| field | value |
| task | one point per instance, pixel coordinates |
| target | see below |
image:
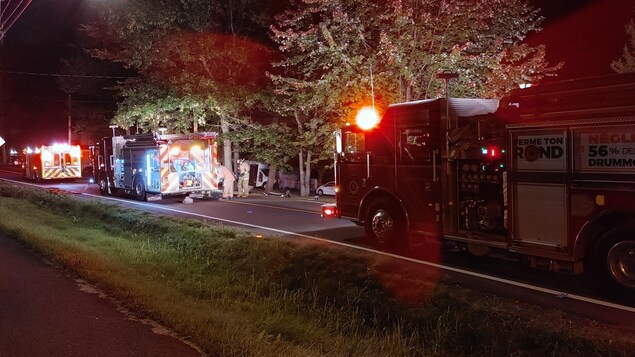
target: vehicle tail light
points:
(329, 211)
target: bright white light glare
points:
(367, 118)
(60, 147)
(175, 151)
(47, 155)
(76, 151)
(195, 149)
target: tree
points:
(268, 143)
(330, 45)
(626, 63)
(479, 40)
(317, 74)
(193, 57)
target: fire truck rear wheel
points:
(384, 223)
(103, 186)
(140, 190)
(612, 262)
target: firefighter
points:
(228, 181)
(243, 178)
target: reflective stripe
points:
(172, 184)
(165, 166)
(214, 160)
(208, 180)
(61, 172)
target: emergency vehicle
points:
(153, 166)
(58, 161)
(548, 176)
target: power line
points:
(16, 12)
(64, 75)
(58, 99)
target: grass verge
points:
(235, 295)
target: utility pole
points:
(69, 107)
(2, 117)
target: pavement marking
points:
(548, 291)
(276, 207)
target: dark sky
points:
(587, 35)
(33, 105)
(584, 34)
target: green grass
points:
(235, 295)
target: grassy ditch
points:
(235, 295)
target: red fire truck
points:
(58, 161)
(153, 166)
(549, 175)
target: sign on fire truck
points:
(58, 161)
(153, 166)
(549, 175)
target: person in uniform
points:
(243, 178)
(228, 181)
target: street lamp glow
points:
(367, 118)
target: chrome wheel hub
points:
(382, 225)
(621, 263)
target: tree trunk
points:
(235, 162)
(301, 167)
(227, 144)
(271, 178)
(307, 175)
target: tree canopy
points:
(207, 63)
(626, 63)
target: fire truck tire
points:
(103, 185)
(140, 189)
(612, 263)
(385, 224)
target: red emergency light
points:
(492, 152)
(329, 211)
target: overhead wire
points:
(64, 75)
(11, 19)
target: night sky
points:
(584, 34)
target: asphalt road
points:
(45, 311)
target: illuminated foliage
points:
(205, 62)
(199, 62)
(626, 63)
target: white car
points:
(326, 189)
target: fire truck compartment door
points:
(539, 164)
(540, 214)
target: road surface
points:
(45, 311)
